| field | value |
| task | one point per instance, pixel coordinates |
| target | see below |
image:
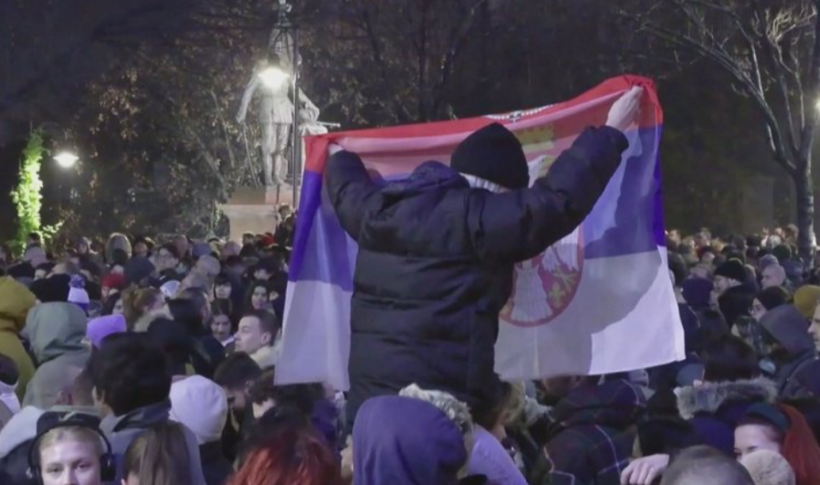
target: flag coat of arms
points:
(599, 301)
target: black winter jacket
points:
(435, 263)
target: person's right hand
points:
(626, 110)
(644, 471)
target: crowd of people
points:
(142, 363)
(156, 364)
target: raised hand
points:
(625, 111)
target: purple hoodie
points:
(405, 441)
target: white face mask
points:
(480, 183)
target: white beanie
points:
(77, 293)
(169, 289)
(768, 468)
(201, 405)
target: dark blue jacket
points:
(435, 262)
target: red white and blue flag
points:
(599, 301)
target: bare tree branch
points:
(724, 60)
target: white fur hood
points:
(710, 396)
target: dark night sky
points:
(9, 163)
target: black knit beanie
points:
(494, 154)
(732, 269)
(783, 253)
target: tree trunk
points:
(804, 199)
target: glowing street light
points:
(66, 159)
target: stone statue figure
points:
(275, 111)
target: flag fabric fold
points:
(599, 301)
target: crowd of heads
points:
(748, 388)
(141, 363)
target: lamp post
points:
(277, 75)
(66, 158)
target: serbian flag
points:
(599, 301)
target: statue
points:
(275, 111)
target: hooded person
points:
(791, 346)
(202, 406)
(56, 332)
(15, 302)
(101, 327)
(445, 288)
(9, 380)
(730, 385)
(407, 441)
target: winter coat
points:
(122, 430)
(593, 435)
(15, 302)
(789, 328)
(405, 441)
(56, 332)
(268, 355)
(215, 467)
(16, 439)
(714, 409)
(21, 270)
(435, 263)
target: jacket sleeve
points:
(519, 225)
(350, 190)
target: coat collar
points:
(710, 396)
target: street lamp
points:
(273, 76)
(66, 158)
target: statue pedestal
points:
(254, 209)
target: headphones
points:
(54, 420)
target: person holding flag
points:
(437, 250)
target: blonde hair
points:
(159, 456)
(75, 433)
(135, 301)
(514, 410)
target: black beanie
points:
(494, 154)
(52, 289)
(783, 253)
(774, 297)
(732, 269)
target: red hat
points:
(267, 240)
(114, 280)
